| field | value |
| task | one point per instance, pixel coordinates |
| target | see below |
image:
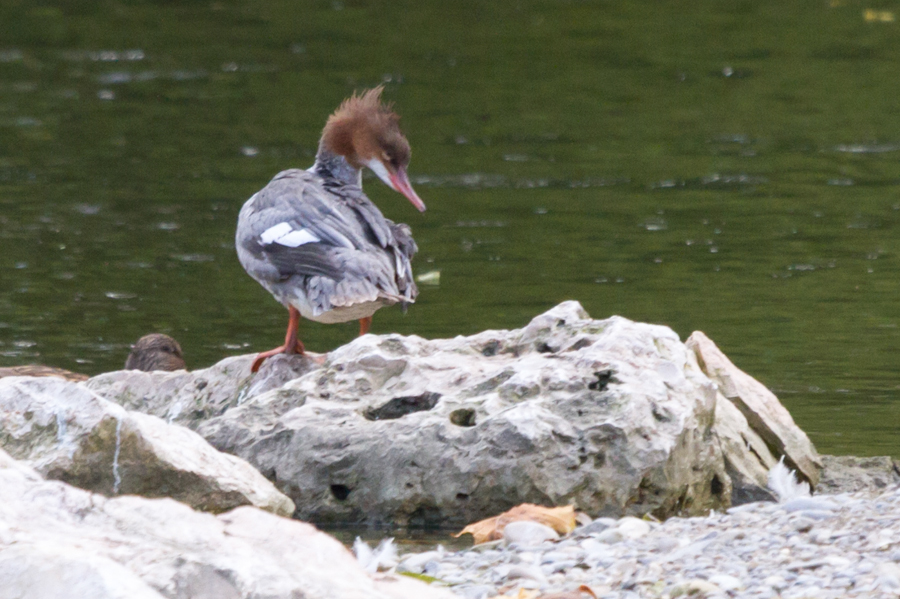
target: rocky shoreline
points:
(820, 547)
(178, 484)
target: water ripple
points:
(873, 148)
(493, 181)
(103, 55)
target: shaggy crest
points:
(367, 105)
(363, 128)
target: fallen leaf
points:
(560, 519)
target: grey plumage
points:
(341, 254)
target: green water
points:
(729, 167)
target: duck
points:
(317, 243)
(151, 352)
(155, 351)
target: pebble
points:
(817, 504)
(633, 528)
(528, 534)
(828, 547)
(416, 562)
(610, 536)
(599, 525)
(726, 582)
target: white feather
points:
(274, 232)
(297, 238)
(284, 234)
(363, 554)
(384, 557)
(783, 483)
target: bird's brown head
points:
(367, 133)
(155, 352)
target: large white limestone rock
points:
(765, 415)
(68, 433)
(59, 541)
(614, 416)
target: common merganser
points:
(155, 352)
(151, 352)
(316, 242)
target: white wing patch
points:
(273, 233)
(284, 234)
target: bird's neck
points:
(329, 165)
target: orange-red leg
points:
(364, 324)
(292, 344)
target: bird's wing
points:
(404, 248)
(295, 227)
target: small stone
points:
(610, 536)
(561, 566)
(822, 535)
(842, 582)
(694, 588)
(633, 528)
(665, 544)
(416, 562)
(726, 582)
(598, 525)
(803, 524)
(478, 591)
(776, 582)
(818, 515)
(528, 534)
(837, 562)
(864, 567)
(809, 503)
(526, 572)
(888, 576)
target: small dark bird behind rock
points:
(155, 352)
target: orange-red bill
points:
(401, 183)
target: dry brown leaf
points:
(529, 594)
(560, 519)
